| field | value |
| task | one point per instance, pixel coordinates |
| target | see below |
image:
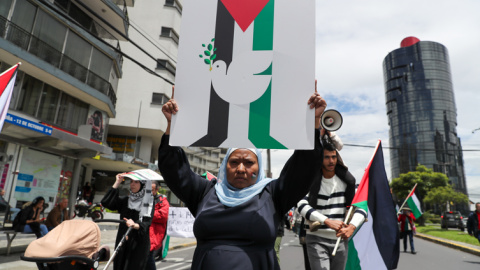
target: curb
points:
(13, 250)
(449, 244)
(182, 246)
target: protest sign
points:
(180, 222)
(245, 72)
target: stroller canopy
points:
(71, 237)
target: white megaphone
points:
(331, 120)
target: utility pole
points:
(269, 164)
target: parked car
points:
(452, 219)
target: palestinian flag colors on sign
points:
(245, 72)
(7, 82)
(414, 204)
(375, 244)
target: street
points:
(429, 256)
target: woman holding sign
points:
(136, 210)
(237, 214)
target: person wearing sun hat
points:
(136, 210)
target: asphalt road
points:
(429, 256)
(434, 256)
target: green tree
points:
(444, 195)
(426, 180)
(162, 191)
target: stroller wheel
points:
(97, 215)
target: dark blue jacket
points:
(472, 224)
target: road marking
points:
(171, 266)
(181, 249)
(174, 260)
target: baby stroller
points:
(72, 245)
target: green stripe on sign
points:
(259, 122)
(263, 28)
(259, 118)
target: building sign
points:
(39, 175)
(22, 122)
(121, 144)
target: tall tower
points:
(421, 111)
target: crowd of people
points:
(240, 216)
(145, 210)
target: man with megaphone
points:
(324, 207)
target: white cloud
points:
(353, 38)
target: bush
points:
(430, 217)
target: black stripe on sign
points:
(217, 131)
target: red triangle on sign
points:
(245, 11)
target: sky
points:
(353, 38)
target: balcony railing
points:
(47, 53)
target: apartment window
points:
(50, 30)
(169, 33)
(5, 7)
(24, 15)
(159, 98)
(81, 17)
(165, 64)
(48, 103)
(175, 4)
(30, 95)
(71, 113)
(101, 64)
(62, 3)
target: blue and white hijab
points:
(230, 196)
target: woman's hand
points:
(169, 109)
(131, 223)
(317, 102)
(118, 179)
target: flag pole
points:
(339, 238)
(400, 209)
(14, 66)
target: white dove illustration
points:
(239, 84)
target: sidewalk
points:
(109, 233)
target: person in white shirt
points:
(324, 207)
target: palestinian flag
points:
(240, 64)
(7, 82)
(414, 204)
(375, 244)
(209, 176)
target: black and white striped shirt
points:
(330, 204)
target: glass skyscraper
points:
(421, 111)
